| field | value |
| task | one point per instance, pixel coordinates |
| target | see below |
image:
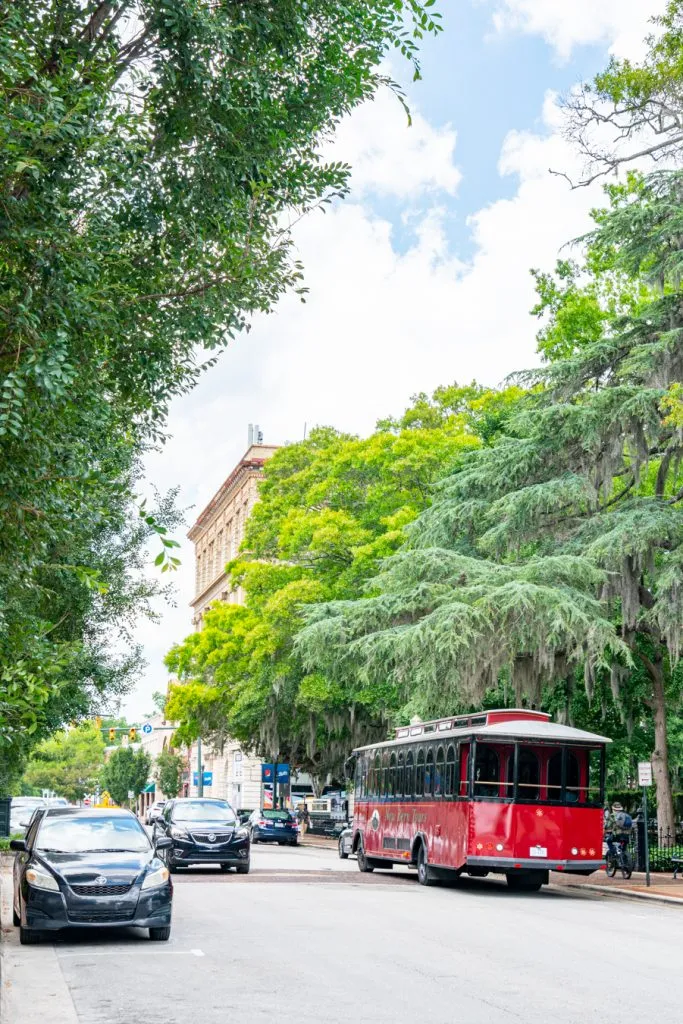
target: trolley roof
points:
(504, 725)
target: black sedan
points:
(83, 868)
(203, 831)
(274, 827)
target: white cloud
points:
(389, 158)
(380, 322)
(621, 24)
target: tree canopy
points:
(69, 763)
(153, 156)
(556, 551)
(330, 509)
(126, 771)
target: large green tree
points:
(152, 156)
(559, 549)
(69, 763)
(330, 509)
(126, 771)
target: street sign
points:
(207, 778)
(644, 773)
(147, 729)
(131, 794)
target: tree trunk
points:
(660, 755)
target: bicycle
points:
(618, 857)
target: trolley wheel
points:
(425, 874)
(365, 864)
(530, 882)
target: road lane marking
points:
(131, 952)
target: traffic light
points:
(132, 734)
(112, 735)
(98, 722)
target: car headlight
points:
(242, 833)
(41, 879)
(156, 878)
(178, 833)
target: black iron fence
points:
(664, 846)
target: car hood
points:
(85, 868)
(205, 826)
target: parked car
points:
(345, 842)
(153, 811)
(89, 868)
(21, 811)
(268, 826)
(203, 831)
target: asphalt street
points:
(306, 938)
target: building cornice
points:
(244, 468)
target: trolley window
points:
(400, 777)
(429, 772)
(392, 776)
(410, 774)
(528, 774)
(486, 771)
(420, 774)
(439, 772)
(450, 772)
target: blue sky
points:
(421, 276)
(484, 84)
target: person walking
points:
(304, 818)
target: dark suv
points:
(203, 831)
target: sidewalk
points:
(662, 886)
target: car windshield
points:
(276, 815)
(204, 810)
(82, 834)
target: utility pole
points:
(200, 770)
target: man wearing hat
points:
(618, 825)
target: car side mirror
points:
(163, 843)
(18, 845)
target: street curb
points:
(605, 890)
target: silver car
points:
(21, 811)
(345, 842)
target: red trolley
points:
(504, 791)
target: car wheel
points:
(160, 934)
(16, 920)
(243, 869)
(342, 852)
(28, 937)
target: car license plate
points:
(538, 851)
(278, 824)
